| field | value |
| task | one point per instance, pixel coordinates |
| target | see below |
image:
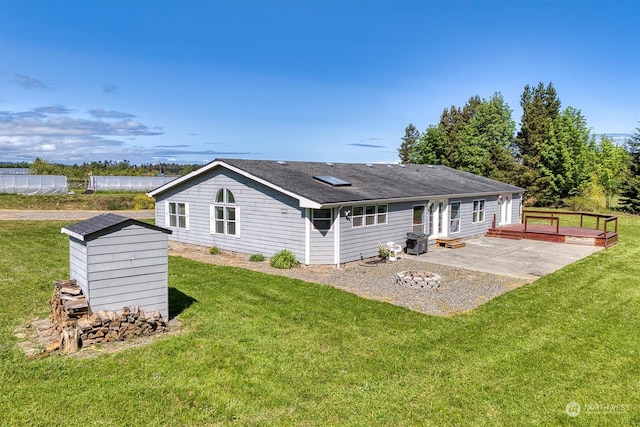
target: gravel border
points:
(460, 289)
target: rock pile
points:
(72, 319)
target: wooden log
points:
(70, 342)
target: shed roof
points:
(366, 181)
(102, 224)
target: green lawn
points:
(259, 349)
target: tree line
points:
(103, 168)
(554, 155)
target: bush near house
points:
(285, 259)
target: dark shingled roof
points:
(100, 225)
(370, 181)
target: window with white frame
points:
(177, 215)
(322, 219)
(454, 217)
(478, 210)
(369, 215)
(224, 214)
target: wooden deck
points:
(546, 226)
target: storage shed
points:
(119, 261)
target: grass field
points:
(259, 349)
(96, 201)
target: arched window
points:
(224, 214)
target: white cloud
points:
(53, 134)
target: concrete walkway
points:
(524, 259)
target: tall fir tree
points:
(408, 146)
(630, 195)
(540, 108)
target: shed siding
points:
(78, 263)
(269, 221)
(128, 267)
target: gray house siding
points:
(516, 213)
(364, 241)
(322, 243)
(467, 226)
(268, 221)
(123, 268)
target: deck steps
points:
(450, 243)
(505, 233)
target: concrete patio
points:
(524, 259)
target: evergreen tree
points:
(540, 108)
(630, 199)
(409, 141)
(566, 159)
(432, 147)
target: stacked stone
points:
(416, 279)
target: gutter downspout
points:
(336, 238)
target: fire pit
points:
(418, 279)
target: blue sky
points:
(190, 81)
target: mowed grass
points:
(262, 350)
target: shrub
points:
(383, 251)
(256, 258)
(285, 259)
(142, 201)
(214, 250)
(592, 199)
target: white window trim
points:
(479, 211)
(224, 206)
(330, 218)
(167, 220)
(374, 215)
(425, 214)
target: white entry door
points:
(504, 200)
(437, 218)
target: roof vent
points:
(332, 180)
(281, 162)
(402, 166)
(329, 164)
(369, 165)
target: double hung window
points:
(177, 215)
(478, 211)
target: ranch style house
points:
(328, 213)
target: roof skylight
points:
(332, 180)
